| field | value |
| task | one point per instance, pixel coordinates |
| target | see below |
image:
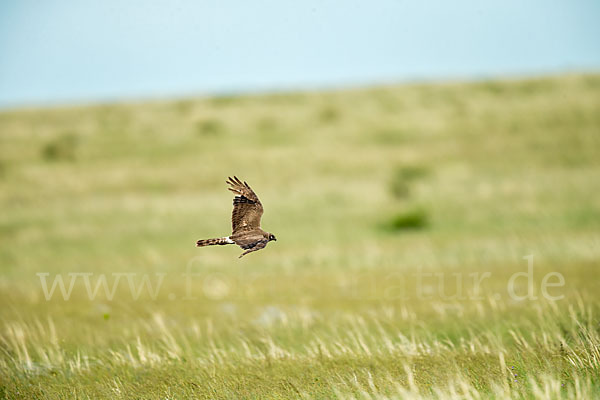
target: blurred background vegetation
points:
(361, 187)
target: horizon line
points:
(260, 90)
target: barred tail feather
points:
(215, 241)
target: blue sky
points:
(66, 51)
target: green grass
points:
(489, 172)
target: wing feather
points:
(247, 208)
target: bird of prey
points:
(245, 221)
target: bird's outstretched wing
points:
(247, 208)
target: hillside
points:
(389, 204)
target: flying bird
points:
(245, 221)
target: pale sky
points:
(65, 51)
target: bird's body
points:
(245, 221)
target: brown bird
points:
(245, 221)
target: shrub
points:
(389, 136)
(209, 127)
(329, 114)
(183, 106)
(416, 218)
(62, 148)
(403, 178)
(267, 124)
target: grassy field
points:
(402, 214)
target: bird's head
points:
(272, 237)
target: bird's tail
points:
(215, 241)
